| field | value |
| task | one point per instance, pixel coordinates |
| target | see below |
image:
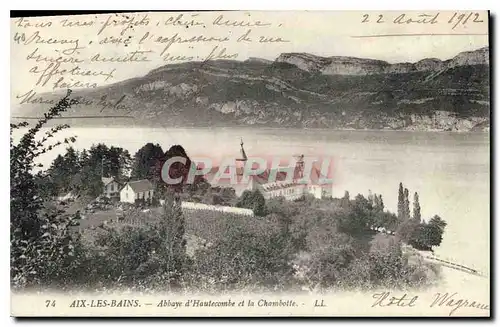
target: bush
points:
(244, 261)
(328, 264)
(42, 247)
(253, 200)
(358, 217)
(148, 257)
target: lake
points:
(450, 171)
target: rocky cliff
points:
(300, 90)
(360, 66)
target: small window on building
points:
(112, 188)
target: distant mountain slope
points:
(360, 66)
(303, 90)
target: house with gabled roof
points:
(111, 188)
(137, 190)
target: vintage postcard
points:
(298, 163)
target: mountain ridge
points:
(301, 90)
(324, 65)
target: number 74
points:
(50, 303)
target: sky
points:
(326, 33)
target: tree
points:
(228, 195)
(117, 162)
(406, 205)
(41, 244)
(71, 160)
(386, 263)
(62, 170)
(259, 207)
(253, 200)
(438, 222)
(97, 159)
(378, 203)
(145, 160)
(81, 172)
(371, 198)
(84, 157)
(416, 208)
(401, 200)
(434, 234)
(406, 230)
(358, 217)
(345, 201)
(330, 260)
(381, 202)
(107, 161)
(426, 236)
(245, 200)
(58, 176)
(176, 171)
(174, 228)
(386, 220)
(46, 185)
(216, 200)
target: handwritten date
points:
(454, 20)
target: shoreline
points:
(252, 127)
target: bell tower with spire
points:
(242, 152)
(241, 162)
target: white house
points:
(135, 190)
(111, 187)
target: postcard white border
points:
(197, 5)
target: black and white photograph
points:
(250, 163)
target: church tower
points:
(243, 156)
(241, 162)
(242, 153)
(299, 168)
